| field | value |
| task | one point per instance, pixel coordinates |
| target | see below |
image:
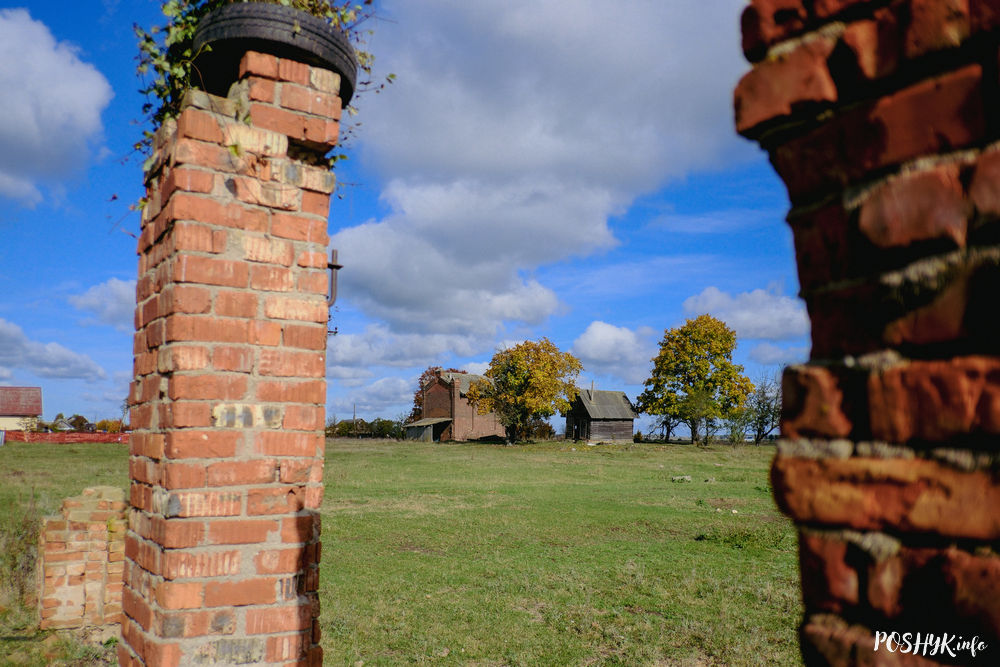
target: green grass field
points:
(528, 555)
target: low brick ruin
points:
(229, 393)
(882, 119)
(81, 560)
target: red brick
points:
(290, 308)
(201, 444)
(314, 282)
(197, 124)
(290, 363)
(309, 391)
(279, 619)
(202, 154)
(289, 123)
(984, 189)
(828, 583)
(210, 210)
(186, 299)
(272, 195)
(322, 132)
(936, 401)
(935, 25)
(237, 473)
(187, 180)
(183, 476)
(290, 647)
(828, 246)
(278, 561)
(240, 593)
(204, 503)
(305, 336)
(779, 86)
(293, 71)
(265, 333)
(827, 8)
(235, 304)
(176, 595)
(146, 444)
(312, 260)
(275, 500)
(301, 471)
(766, 22)
(303, 418)
(300, 228)
(939, 114)
(243, 531)
(261, 90)
(210, 271)
(272, 279)
(281, 443)
(182, 414)
(184, 358)
(266, 250)
(316, 203)
(195, 565)
(917, 206)
(259, 64)
(896, 495)
(198, 237)
(201, 387)
(227, 358)
(813, 403)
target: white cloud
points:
(385, 396)
(51, 109)
(768, 354)
(352, 355)
(50, 360)
(606, 349)
(715, 222)
(6, 373)
(514, 131)
(112, 303)
(757, 314)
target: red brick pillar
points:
(883, 119)
(229, 391)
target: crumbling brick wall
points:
(229, 392)
(81, 560)
(882, 119)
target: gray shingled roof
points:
(428, 421)
(601, 404)
(465, 380)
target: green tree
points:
(530, 380)
(764, 406)
(693, 377)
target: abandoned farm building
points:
(447, 414)
(600, 416)
(18, 406)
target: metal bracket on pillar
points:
(331, 298)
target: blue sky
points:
(540, 168)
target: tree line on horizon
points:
(693, 381)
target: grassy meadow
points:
(545, 554)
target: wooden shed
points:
(600, 416)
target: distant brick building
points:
(600, 416)
(447, 414)
(18, 404)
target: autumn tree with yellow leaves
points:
(694, 379)
(529, 381)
